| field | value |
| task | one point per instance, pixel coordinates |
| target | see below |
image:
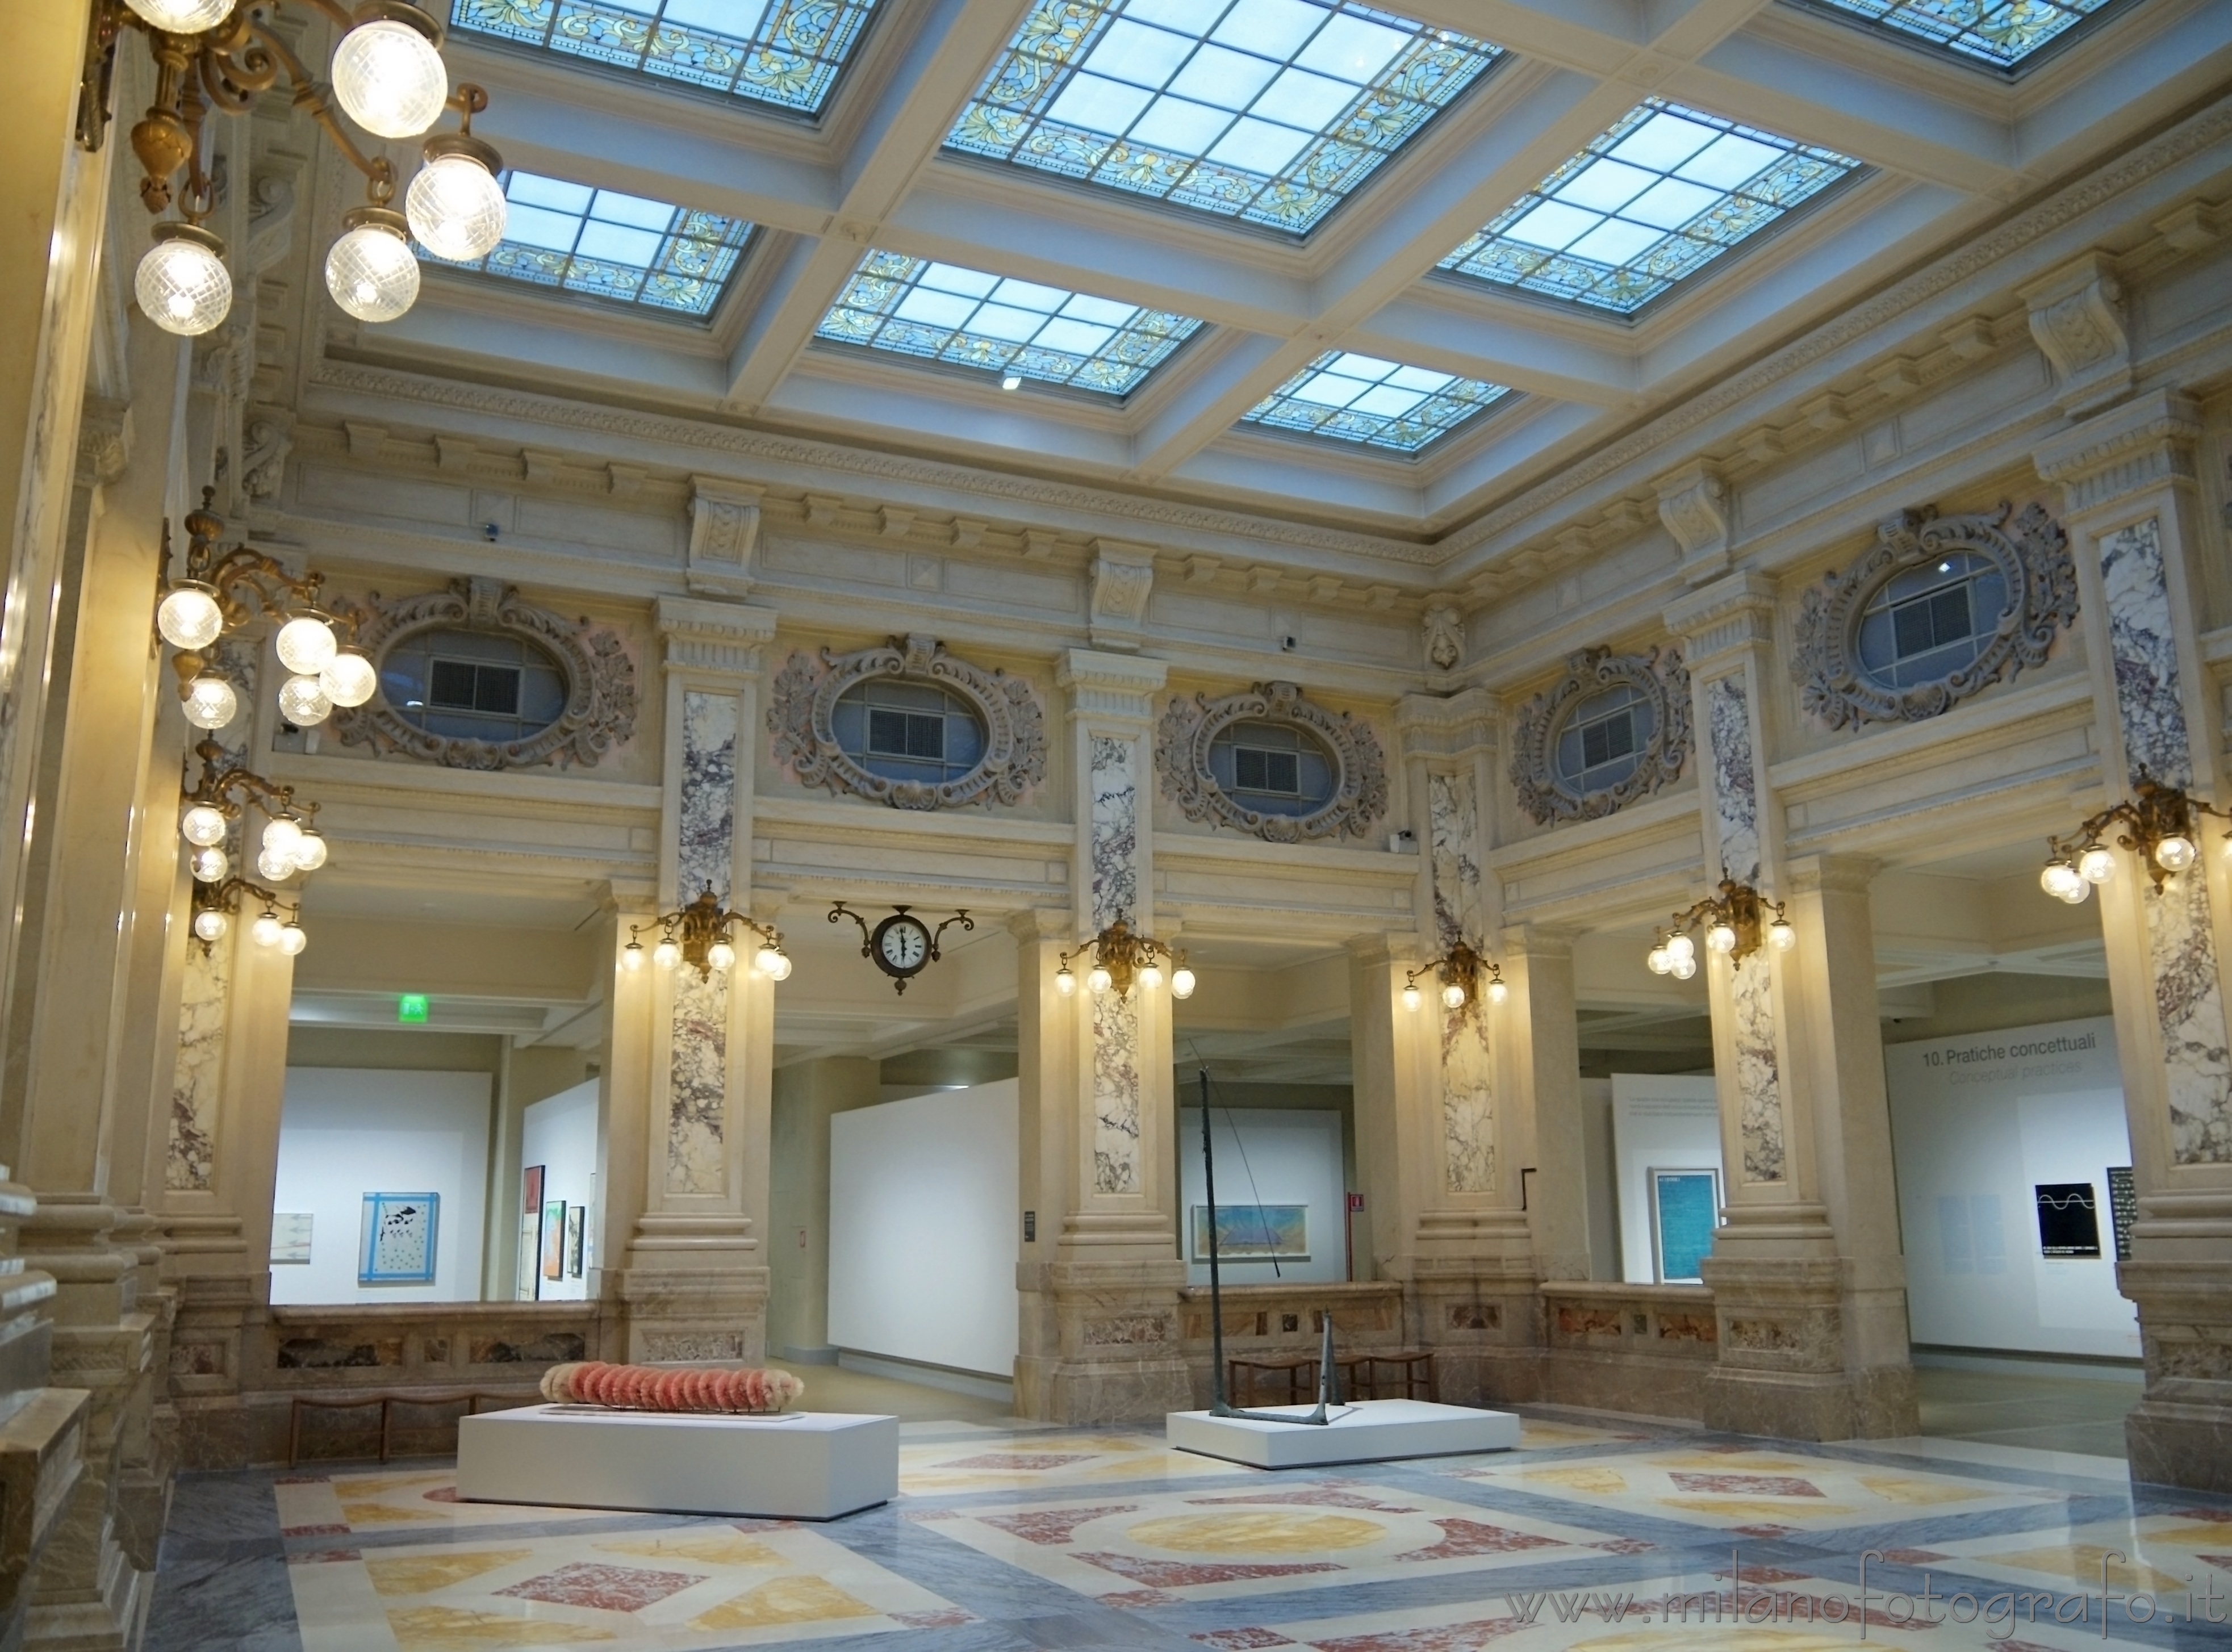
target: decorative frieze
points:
(1189, 735)
(1547, 794)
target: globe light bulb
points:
(1659, 960)
(455, 205)
(666, 954)
(265, 931)
(1065, 982)
(631, 956)
(1781, 935)
(1098, 981)
(210, 703)
(1453, 996)
(274, 866)
(190, 617)
(1497, 992)
(1682, 950)
(1721, 938)
(209, 925)
(182, 284)
(182, 17)
(1683, 968)
(310, 853)
(2078, 892)
(282, 836)
(349, 679)
(389, 78)
(780, 970)
(2174, 854)
(1412, 998)
(766, 961)
(722, 956)
(2056, 876)
(303, 702)
(1151, 977)
(210, 865)
(2096, 864)
(202, 824)
(307, 644)
(370, 271)
(292, 940)
(1182, 983)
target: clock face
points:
(902, 945)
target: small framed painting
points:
(1254, 1232)
(290, 1236)
(554, 1239)
(397, 1242)
(1685, 1208)
(577, 1228)
(530, 1196)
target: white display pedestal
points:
(1365, 1431)
(797, 1466)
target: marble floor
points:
(1596, 1536)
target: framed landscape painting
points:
(1254, 1232)
(397, 1245)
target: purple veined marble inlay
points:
(698, 1061)
(1468, 1068)
(709, 792)
(2181, 946)
(1115, 854)
(1735, 781)
(1751, 991)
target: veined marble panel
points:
(1751, 992)
(1736, 777)
(709, 792)
(1115, 831)
(2181, 948)
(1468, 1070)
(698, 1061)
(1115, 851)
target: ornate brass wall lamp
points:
(1736, 922)
(703, 934)
(389, 79)
(290, 843)
(2162, 826)
(215, 903)
(1121, 959)
(1462, 970)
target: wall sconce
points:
(2161, 826)
(702, 934)
(1734, 925)
(214, 904)
(903, 946)
(222, 594)
(1120, 958)
(290, 843)
(1460, 968)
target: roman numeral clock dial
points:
(901, 945)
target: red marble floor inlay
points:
(1441, 1637)
(605, 1588)
(1187, 1574)
(1137, 1600)
(1053, 1526)
(1748, 1485)
(313, 1531)
(320, 1557)
(1475, 1537)
(1912, 1557)
(1320, 1496)
(947, 1618)
(1241, 1640)
(442, 1494)
(1624, 1545)
(1015, 1461)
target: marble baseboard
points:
(2180, 1443)
(1801, 1405)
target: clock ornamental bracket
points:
(901, 945)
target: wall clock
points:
(902, 945)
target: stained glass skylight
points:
(1381, 403)
(2001, 33)
(784, 52)
(1664, 193)
(1270, 111)
(613, 246)
(969, 319)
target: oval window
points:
(903, 730)
(1272, 769)
(473, 685)
(1604, 738)
(1925, 625)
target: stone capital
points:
(104, 440)
(1846, 874)
(714, 639)
(1722, 619)
(724, 536)
(2077, 320)
(2145, 443)
(1693, 504)
(1438, 725)
(1123, 578)
(1111, 685)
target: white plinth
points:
(800, 1466)
(1365, 1431)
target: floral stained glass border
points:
(788, 53)
(1650, 202)
(1349, 398)
(967, 318)
(2000, 33)
(1213, 43)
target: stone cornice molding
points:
(1720, 621)
(2145, 443)
(1836, 874)
(1106, 686)
(724, 536)
(713, 638)
(1445, 725)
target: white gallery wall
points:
(1658, 1123)
(559, 1134)
(923, 1236)
(1978, 1124)
(347, 1131)
(1274, 1157)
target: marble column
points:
(2136, 530)
(1461, 1240)
(694, 1274)
(1787, 1273)
(1541, 1072)
(1101, 1336)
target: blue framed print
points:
(396, 1247)
(1685, 1208)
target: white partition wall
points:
(558, 1133)
(923, 1240)
(1279, 1181)
(1663, 1127)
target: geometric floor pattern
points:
(1007, 1537)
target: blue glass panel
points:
(1999, 33)
(1352, 398)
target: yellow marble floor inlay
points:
(715, 1548)
(1609, 1481)
(2082, 1563)
(785, 1600)
(441, 1628)
(422, 1574)
(1255, 1532)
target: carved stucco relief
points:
(1659, 675)
(1190, 728)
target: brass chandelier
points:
(703, 934)
(388, 78)
(1735, 924)
(1460, 968)
(2161, 825)
(1123, 958)
(221, 594)
(290, 843)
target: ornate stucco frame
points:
(1190, 727)
(2032, 555)
(600, 682)
(801, 715)
(1661, 677)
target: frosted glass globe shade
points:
(1412, 998)
(307, 644)
(2096, 864)
(1151, 977)
(210, 703)
(292, 940)
(203, 824)
(282, 837)
(780, 970)
(1683, 968)
(210, 865)
(212, 924)
(190, 617)
(1658, 961)
(766, 961)
(722, 956)
(1721, 938)
(1781, 935)
(304, 703)
(390, 79)
(2174, 854)
(182, 17)
(274, 866)
(666, 954)
(631, 956)
(457, 208)
(1182, 983)
(1453, 996)
(1497, 992)
(372, 273)
(2080, 891)
(265, 931)
(182, 285)
(1065, 981)
(1680, 949)
(1098, 980)
(310, 853)
(349, 680)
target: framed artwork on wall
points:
(397, 1242)
(527, 1285)
(577, 1227)
(2123, 1208)
(1685, 1208)
(554, 1239)
(290, 1236)
(2068, 1220)
(1254, 1232)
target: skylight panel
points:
(788, 53)
(969, 319)
(1664, 193)
(1997, 33)
(1268, 111)
(1349, 398)
(620, 247)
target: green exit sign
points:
(411, 1006)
